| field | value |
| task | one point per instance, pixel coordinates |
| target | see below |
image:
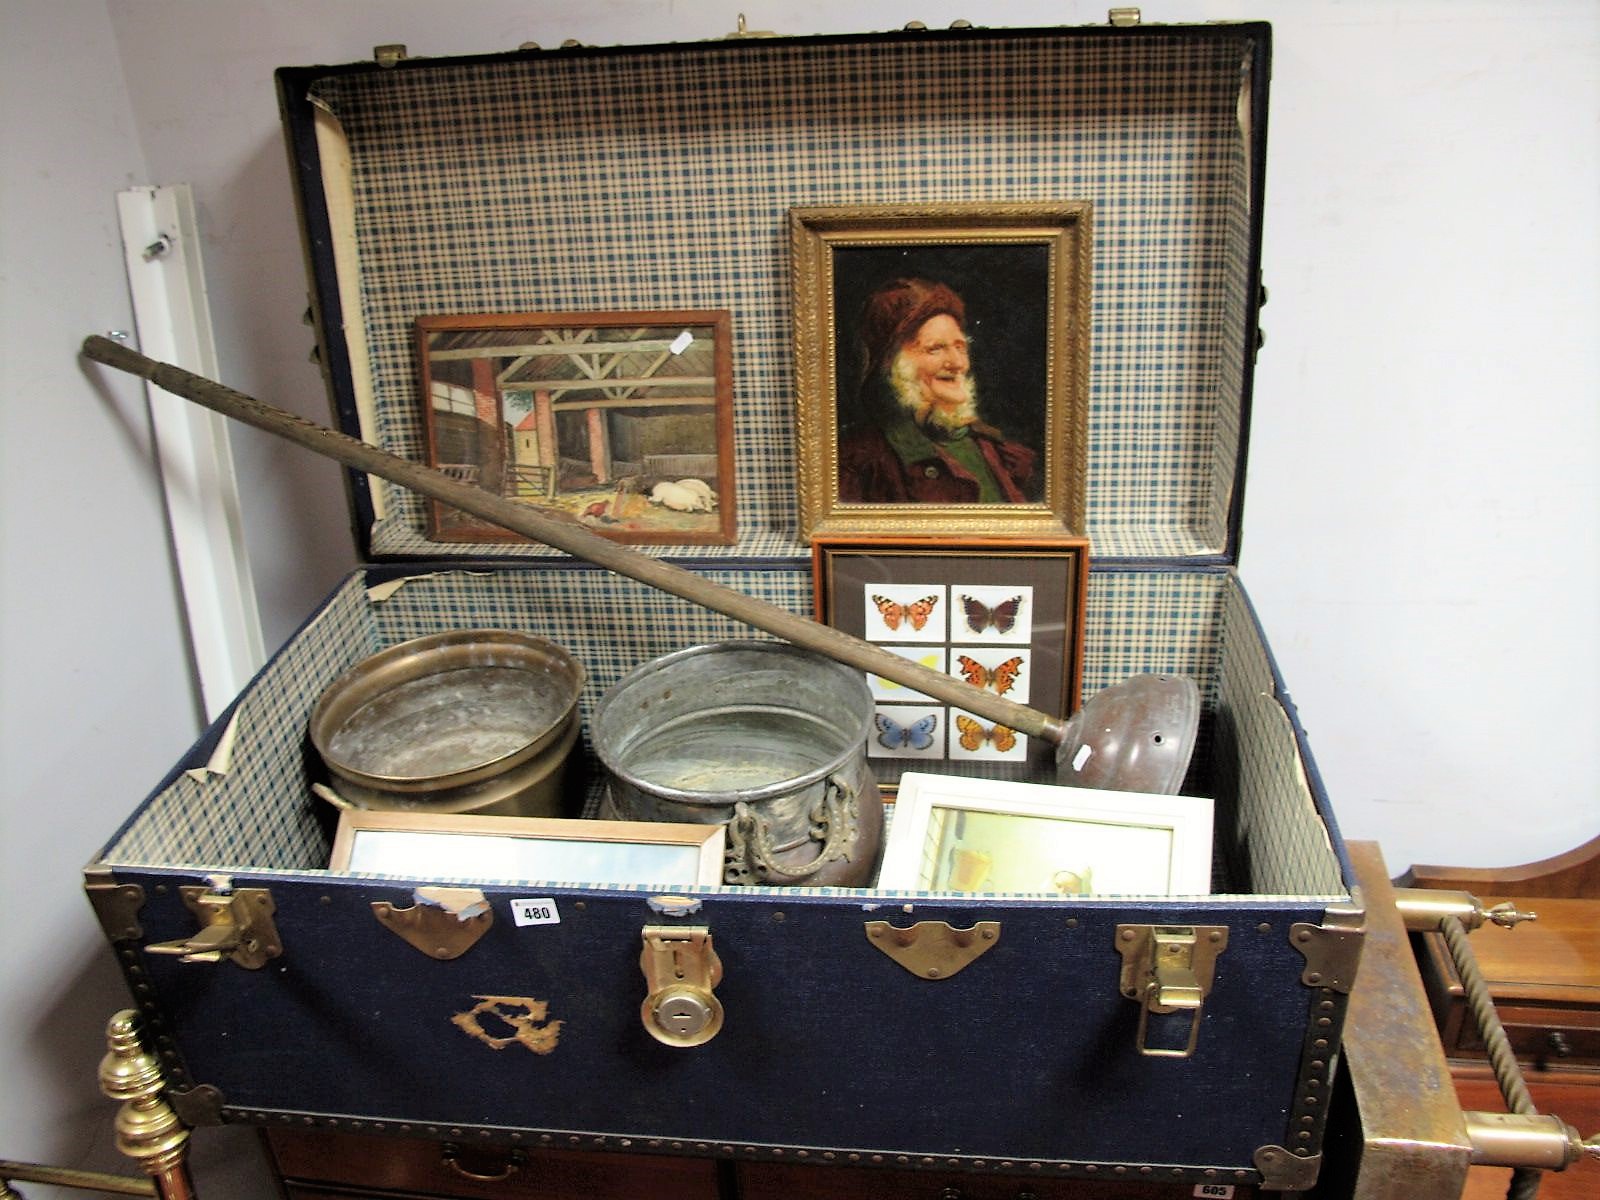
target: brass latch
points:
(236, 925)
(1168, 969)
(680, 969)
(933, 949)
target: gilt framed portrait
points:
(621, 422)
(942, 367)
(1005, 615)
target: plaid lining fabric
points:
(1269, 832)
(659, 180)
(261, 816)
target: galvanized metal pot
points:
(764, 737)
(470, 720)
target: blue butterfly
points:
(918, 735)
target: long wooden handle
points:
(575, 540)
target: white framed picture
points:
(956, 834)
(424, 845)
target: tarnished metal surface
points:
(1414, 1142)
(767, 738)
(467, 720)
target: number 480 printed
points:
(535, 912)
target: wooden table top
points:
(1555, 959)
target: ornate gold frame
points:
(1062, 228)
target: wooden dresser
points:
(1544, 979)
(327, 1165)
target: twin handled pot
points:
(765, 737)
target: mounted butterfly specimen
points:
(980, 616)
(915, 614)
(918, 735)
(974, 735)
(1000, 678)
(933, 660)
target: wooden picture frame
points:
(425, 845)
(952, 834)
(942, 367)
(1005, 614)
(621, 422)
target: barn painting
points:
(621, 422)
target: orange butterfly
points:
(974, 735)
(917, 613)
(980, 616)
(1003, 677)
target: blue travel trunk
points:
(660, 178)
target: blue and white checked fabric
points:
(652, 180)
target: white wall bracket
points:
(161, 244)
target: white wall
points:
(1420, 532)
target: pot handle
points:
(833, 823)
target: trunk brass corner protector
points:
(1286, 1172)
(680, 970)
(199, 1105)
(1167, 969)
(116, 904)
(444, 923)
(1331, 953)
(933, 949)
(235, 925)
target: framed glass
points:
(952, 834)
(942, 367)
(423, 845)
(1004, 614)
(621, 422)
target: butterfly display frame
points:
(1005, 614)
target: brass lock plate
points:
(680, 968)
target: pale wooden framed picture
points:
(953, 834)
(942, 367)
(1006, 615)
(621, 422)
(423, 845)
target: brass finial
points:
(148, 1130)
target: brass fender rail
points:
(1522, 1138)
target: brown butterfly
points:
(980, 616)
(974, 735)
(1002, 677)
(917, 614)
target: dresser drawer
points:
(1543, 977)
(314, 1164)
(783, 1181)
(1551, 1035)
